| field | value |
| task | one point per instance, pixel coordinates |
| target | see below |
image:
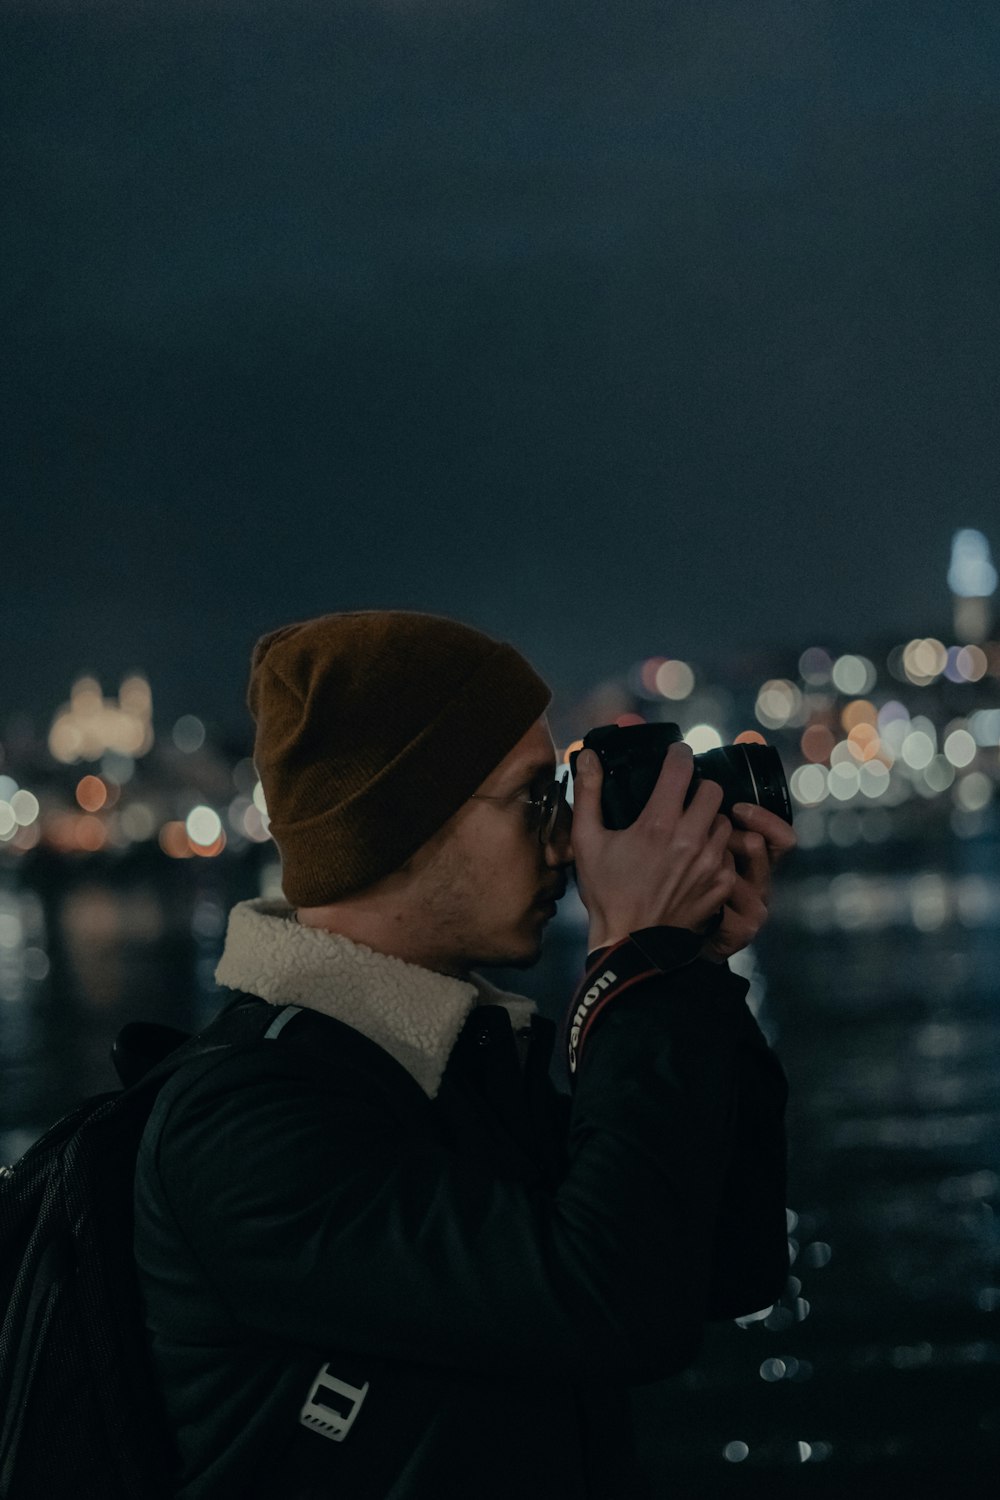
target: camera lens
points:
(748, 773)
(632, 757)
(764, 764)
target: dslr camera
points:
(632, 755)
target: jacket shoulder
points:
(324, 1058)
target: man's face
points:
(485, 886)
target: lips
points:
(549, 898)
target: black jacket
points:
(494, 1264)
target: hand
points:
(670, 868)
(758, 843)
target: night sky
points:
(615, 329)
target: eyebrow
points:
(532, 773)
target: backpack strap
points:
(286, 1013)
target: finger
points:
(718, 870)
(744, 844)
(777, 834)
(731, 937)
(710, 856)
(751, 854)
(587, 792)
(723, 889)
(666, 801)
(743, 917)
(707, 800)
(746, 901)
(709, 882)
(720, 836)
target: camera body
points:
(632, 756)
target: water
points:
(879, 1370)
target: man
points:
(380, 1255)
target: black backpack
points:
(78, 1404)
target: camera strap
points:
(613, 970)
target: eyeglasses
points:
(543, 812)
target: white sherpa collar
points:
(414, 1014)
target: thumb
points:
(587, 782)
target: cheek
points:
(497, 871)
(518, 878)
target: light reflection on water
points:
(927, 901)
(881, 991)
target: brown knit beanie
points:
(373, 728)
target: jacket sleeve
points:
(749, 1265)
(750, 1252)
(325, 1217)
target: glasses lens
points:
(551, 808)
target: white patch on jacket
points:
(412, 1013)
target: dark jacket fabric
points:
(494, 1265)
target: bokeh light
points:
(256, 825)
(91, 834)
(817, 743)
(971, 663)
(815, 666)
(188, 734)
(854, 674)
(924, 660)
(138, 822)
(91, 793)
(808, 785)
(674, 680)
(174, 840)
(893, 722)
(844, 781)
(209, 851)
(25, 808)
(985, 727)
(778, 703)
(874, 779)
(703, 737)
(858, 711)
(940, 774)
(204, 826)
(929, 903)
(90, 725)
(810, 828)
(917, 749)
(974, 791)
(960, 748)
(971, 574)
(863, 742)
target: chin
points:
(523, 954)
(526, 954)
(523, 960)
